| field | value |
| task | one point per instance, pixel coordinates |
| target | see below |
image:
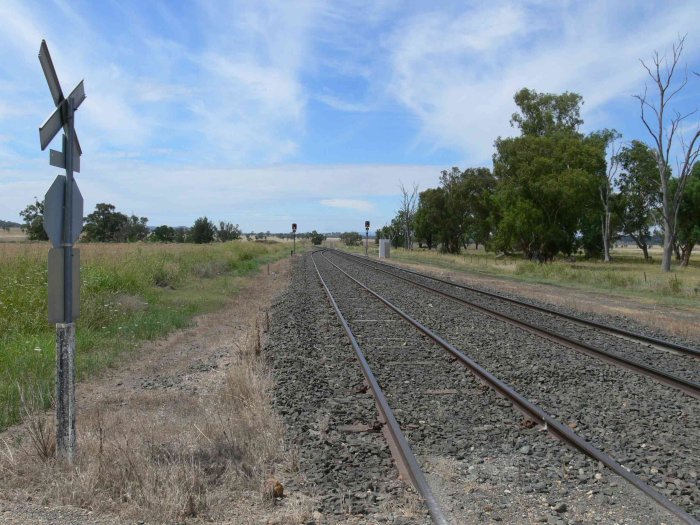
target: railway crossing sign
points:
(63, 222)
(53, 212)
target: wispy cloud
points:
(459, 71)
(343, 105)
(260, 112)
(349, 204)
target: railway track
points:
(361, 326)
(621, 332)
(651, 362)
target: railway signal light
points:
(366, 238)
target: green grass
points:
(129, 294)
(628, 274)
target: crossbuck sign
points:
(63, 222)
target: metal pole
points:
(294, 240)
(65, 332)
(366, 241)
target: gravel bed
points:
(682, 365)
(332, 427)
(618, 321)
(487, 465)
(652, 429)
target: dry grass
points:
(174, 455)
(184, 433)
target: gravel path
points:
(682, 365)
(650, 428)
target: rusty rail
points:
(601, 326)
(398, 444)
(689, 387)
(552, 425)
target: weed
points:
(40, 427)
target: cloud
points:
(458, 72)
(349, 204)
(257, 198)
(234, 94)
(342, 105)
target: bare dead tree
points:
(409, 203)
(606, 190)
(664, 130)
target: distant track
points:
(601, 326)
(690, 387)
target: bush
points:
(351, 238)
(203, 231)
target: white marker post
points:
(63, 222)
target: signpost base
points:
(65, 391)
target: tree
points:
(351, 238)
(409, 202)
(106, 225)
(639, 193)
(663, 131)
(228, 231)
(688, 227)
(393, 231)
(163, 234)
(33, 217)
(203, 231)
(429, 216)
(543, 114)
(136, 229)
(317, 238)
(547, 177)
(610, 138)
(466, 208)
(182, 234)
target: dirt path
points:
(164, 406)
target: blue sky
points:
(314, 112)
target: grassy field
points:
(628, 273)
(129, 293)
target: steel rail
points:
(689, 387)
(400, 445)
(601, 326)
(552, 425)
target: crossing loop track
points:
(662, 343)
(691, 388)
(534, 412)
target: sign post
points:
(366, 237)
(294, 237)
(63, 222)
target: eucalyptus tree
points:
(547, 178)
(665, 124)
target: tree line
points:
(554, 190)
(106, 224)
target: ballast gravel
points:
(682, 365)
(489, 461)
(344, 461)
